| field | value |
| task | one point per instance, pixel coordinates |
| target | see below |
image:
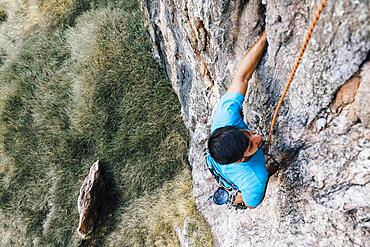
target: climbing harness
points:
(320, 8)
(227, 191)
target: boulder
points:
(90, 200)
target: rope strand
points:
(296, 64)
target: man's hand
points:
(247, 66)
(239, 199)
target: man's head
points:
(230, 144)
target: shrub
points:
(36, 126)
(58, 13)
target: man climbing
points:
(233, 147)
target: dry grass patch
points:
(158, 219)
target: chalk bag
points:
(221, 196)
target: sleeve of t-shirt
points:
(254, 193)
(252, 199)
(228, 111)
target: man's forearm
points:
(250, 61)
(248, 65)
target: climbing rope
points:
(296, 64)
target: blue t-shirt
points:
(250, 177)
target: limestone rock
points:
(361, 106)
(90, 200)
(346, 94)
(182, 234)
(321, 196)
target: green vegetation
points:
(156, 224)
(73, 95)
(57, 13)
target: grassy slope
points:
(74, 95)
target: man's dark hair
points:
(227, 144)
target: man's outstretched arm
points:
(247, 66)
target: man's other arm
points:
(239, 199)
(247, 66)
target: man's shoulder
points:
(230, 98)
(233, 95)
(255, 174)
(228, 111)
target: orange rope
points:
(296, 64)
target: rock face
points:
(90, 200)
(321, 197)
